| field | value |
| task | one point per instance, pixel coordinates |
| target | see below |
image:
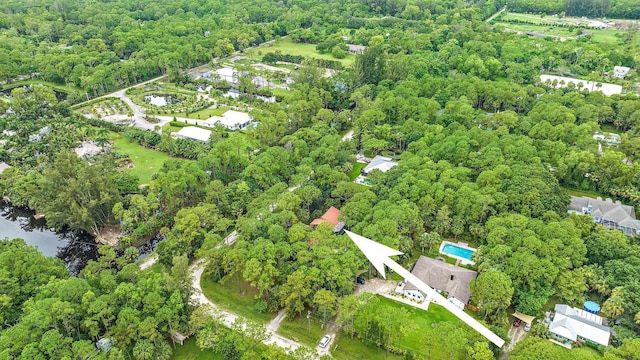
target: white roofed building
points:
(193, 133)
(356, 49)
(381, 163)
(227, 74)
(232, 120)
(620, 71)
(3, 166)
(571, 324)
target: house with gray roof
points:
(444, 278)
(381, 163)
(612, 215)
(572, 324)
(355, 49)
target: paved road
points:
(496, 14)
(228, 317)
(274, 324)
(148, 261)
(515, 334)
(348, 136)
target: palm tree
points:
(614, 306)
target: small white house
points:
(620, 71)
(3, 166)
(227, 74)
(571, 324)
(381, 163)
(193, 133)
(232, 120)
(355, 49)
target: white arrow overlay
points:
(379, 256)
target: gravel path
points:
(228, 317)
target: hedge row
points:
(272, 58)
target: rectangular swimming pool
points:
(456, 251)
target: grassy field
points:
(198, 115)
(415, 340)
(611, 129)
(145, 161)
(357, 166)
(59, 87)
(227, 296)
(578, 192)
(600, 36)
(286, 94)
(346, 348)
(190, 351)
(287, 46)
(299, 328)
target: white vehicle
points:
(325, 341)
(527, 326)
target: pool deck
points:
(460, 244)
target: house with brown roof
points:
(453, 281)
(612, 215)
(331, 217)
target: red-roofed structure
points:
(331, 216)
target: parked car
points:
(527, 326)
(516, 322)
(360, 280)
(325, 341)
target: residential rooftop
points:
(440, 275)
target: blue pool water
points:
(457, 251)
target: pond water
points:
(61, 96)
(75, 249)
(162, 99)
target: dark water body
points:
(75, 249)
(61, 96)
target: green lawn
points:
(240, 301)
(199, 115)
(600, 36)
(357, 166)
(346, 348)
(286, 46)
(578, 192)
(281, 92)
(145, 161)
(580, 353)
(611, 129)
(190, 351)
(168, 129)
(59, 87)
(299, 328)
(415, 340)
